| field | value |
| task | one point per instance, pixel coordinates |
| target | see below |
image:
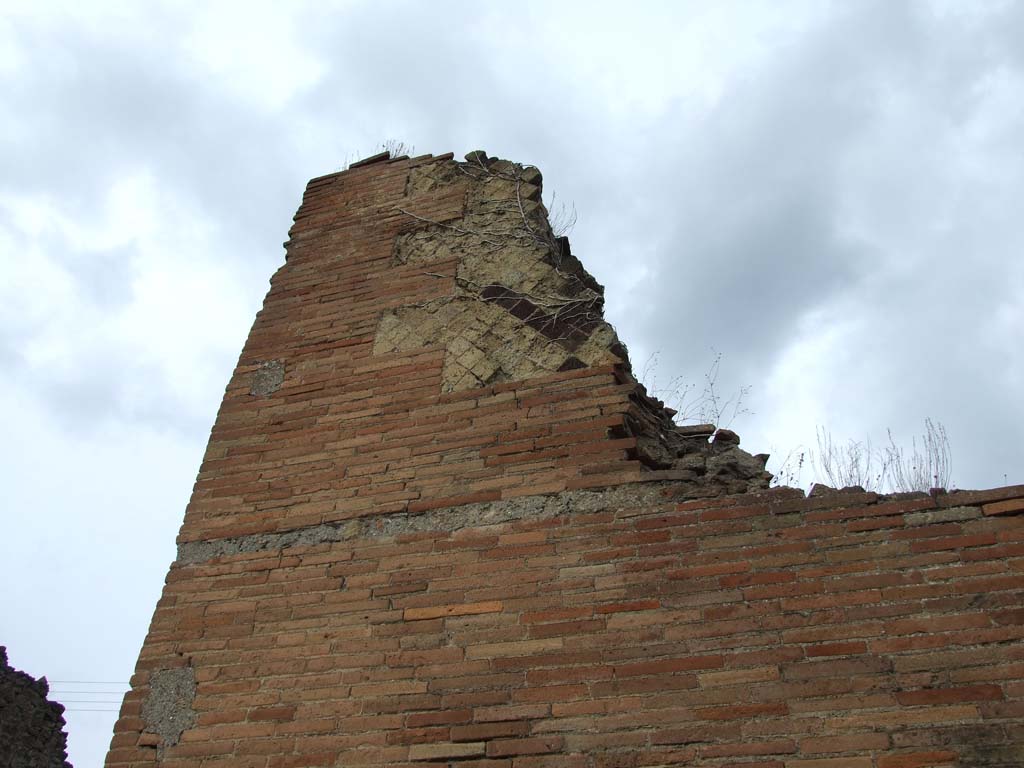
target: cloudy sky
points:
(829, 195)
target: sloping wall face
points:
(439, 521)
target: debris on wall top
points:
(525, 306)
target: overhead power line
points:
(90, 700)
(85, 709)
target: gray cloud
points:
(828, 196)
(840, 180)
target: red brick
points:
(463, 609)
(444, 717)
(491, 730)
(636, 605)
(953, 542)
(272, 713)
(558, 614)
(742, 711)
(550, 693)
(950, 695)
(1008, 507)
(512, 712)
(919, 759)
(537, 745)
(435, 752)
(849, 743)
(837, 649)
(778, 747)
(668, 666)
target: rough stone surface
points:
(31, 727)
(167, 709)
(268, 378)
(523, 306)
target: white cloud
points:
(253, 51)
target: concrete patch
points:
(268, 378)
(167, 710)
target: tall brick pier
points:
(438, 520)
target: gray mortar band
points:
(447, 519)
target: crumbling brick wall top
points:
(431, 342)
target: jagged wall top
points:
(524, 306)
(430, 342)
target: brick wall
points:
(438, 520)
